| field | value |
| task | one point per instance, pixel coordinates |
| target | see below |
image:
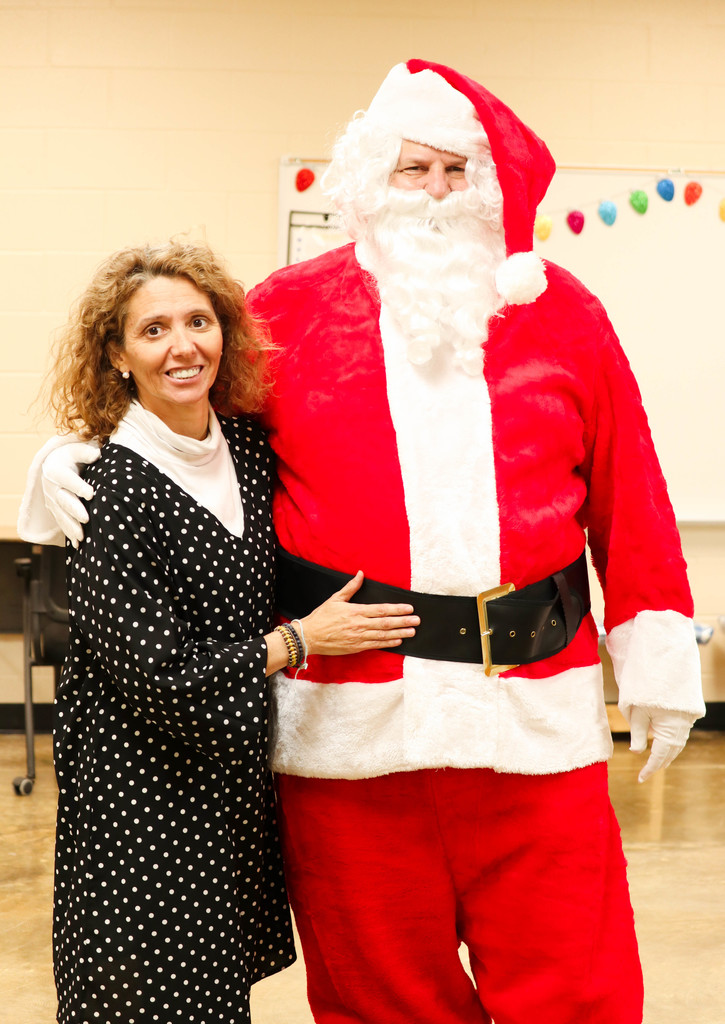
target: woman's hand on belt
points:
(340, 626)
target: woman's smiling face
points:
(172, 348)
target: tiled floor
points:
(674, 835)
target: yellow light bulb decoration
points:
(542, 226)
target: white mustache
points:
(419, 205)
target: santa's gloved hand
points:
(670, 730)
(63, 486)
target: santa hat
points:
(424, 108)
(439, 107)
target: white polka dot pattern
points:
(169, 892)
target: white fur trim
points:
(424, 108)
(656, 663)
(336, 731)
(521, 278)
(35, 522)
(440, 714)
(451, 503)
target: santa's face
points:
(422, 167)
(433, 247)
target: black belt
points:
(501, 628)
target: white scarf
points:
(204, 469)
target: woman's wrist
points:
(299, 630)
(293, 643)
(277, 653)
(307, 635)
(286, 647)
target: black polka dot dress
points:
(169, 891)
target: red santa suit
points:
(436, 481)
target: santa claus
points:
(452, 415)
(457, 418)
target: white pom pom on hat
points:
(521, 278)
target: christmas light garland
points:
(638, 198)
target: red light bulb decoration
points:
(693, 191)
(304, 179)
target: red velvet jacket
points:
(570, 455)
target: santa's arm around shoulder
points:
(51, 507)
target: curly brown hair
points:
(87, 395)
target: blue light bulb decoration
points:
(666, 189)
(607, 211)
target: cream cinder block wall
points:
(127, 120)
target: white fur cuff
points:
(656, 663)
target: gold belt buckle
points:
(481, 601)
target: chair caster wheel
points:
(23, 786)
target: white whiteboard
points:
(306, 226)
(661, 277)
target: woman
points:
(169, 896)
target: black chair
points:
(45, 634)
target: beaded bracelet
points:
(303, 642)
(289, 642)
(299, 651)
(292, 643)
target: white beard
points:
(434, 261)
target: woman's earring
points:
(125, 374)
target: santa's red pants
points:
(389, 875)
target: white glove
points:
(670, 730)
(63, 486)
